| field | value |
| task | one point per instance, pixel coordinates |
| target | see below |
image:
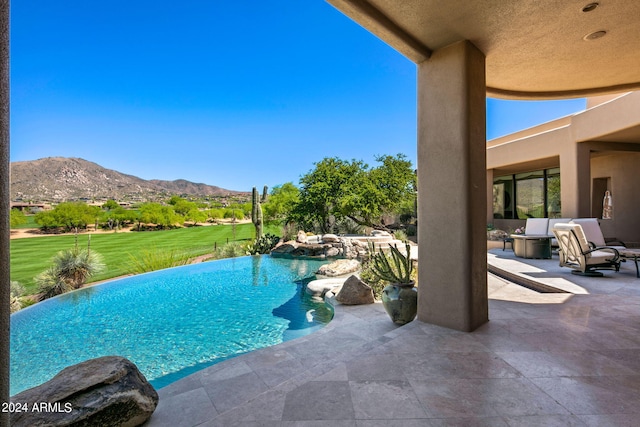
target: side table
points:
(531, 246)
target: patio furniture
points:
(576, 252)
(506, 240)
(633, 254)
(594, 235)
(535, 242)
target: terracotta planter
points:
(400, 300)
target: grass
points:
(31, 256)
(31, 223)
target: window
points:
(533, 194)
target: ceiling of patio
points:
(534, 48)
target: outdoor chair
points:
(576, 253)
(594, 235)
(552, 223)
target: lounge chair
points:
(576, 252)
(594, 235)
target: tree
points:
(337, 189)
(69, 215)
(322, 191)
(17, 218)
(386, 189)
(110, 205)
(195, 215)
(162, 216)
(117, 216)
(281, 202)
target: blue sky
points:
(231, 93)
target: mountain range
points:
(56, 179)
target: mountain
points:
(55, 179)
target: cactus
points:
(396, 270)
(256, 212)
(265, 194)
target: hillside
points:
(55, 179)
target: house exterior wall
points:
(593, 144)
(623, 169)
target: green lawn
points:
(30, 256)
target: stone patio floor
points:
(544, 359)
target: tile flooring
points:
(556, 359)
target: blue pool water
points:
(170, 323)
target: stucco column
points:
(575, 180)
(452, 188)
(489, 196)
(5, 200)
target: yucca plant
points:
(71, 268)
(50, 284)
(395, 267)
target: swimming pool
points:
(170, 323)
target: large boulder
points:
(107, 391)
(340, 267)
(318, 288)
(354, 291)
(330, 238)
(301, 237)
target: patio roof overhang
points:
(534, 49)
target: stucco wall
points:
(622, 168)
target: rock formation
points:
(107, 391)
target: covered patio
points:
(570, 362)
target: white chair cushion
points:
(537, 226)
(599, 257)
(591, 230)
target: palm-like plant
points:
(71, 268)
(51, 284)
(76, 265)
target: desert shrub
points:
(289, 231)
(156, 259)
(229, 250)
(263, 245)
(16, 290)
(70, 269)
(400, 235)
(369, 277)
(50, 284)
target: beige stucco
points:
(451, 119)
(600, 142)
(533, 49)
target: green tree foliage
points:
(17, 218)
(162, 216)
(116, 216)
(338, 189)
(110, 205)
(68, 215)
(216, 213)
(195, 215)
(281, 202)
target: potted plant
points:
(400, 297)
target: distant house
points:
(31, 207)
